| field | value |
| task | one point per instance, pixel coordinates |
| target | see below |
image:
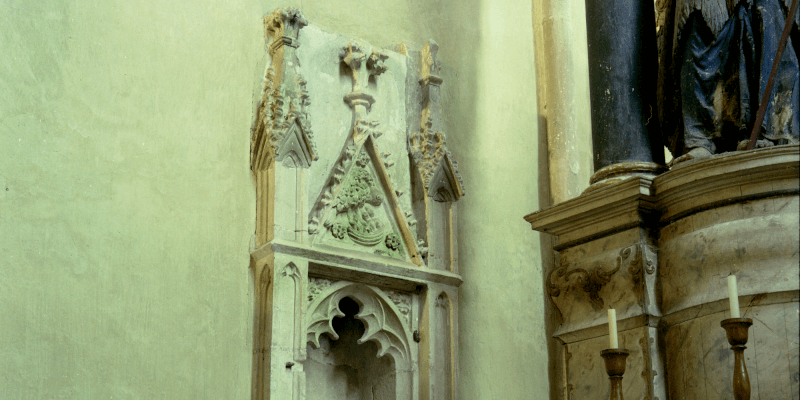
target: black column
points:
(623, 71)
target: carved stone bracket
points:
(646, 261)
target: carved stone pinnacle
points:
(283, 26)
(429, 71)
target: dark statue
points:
(715, 57)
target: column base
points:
(619, 172)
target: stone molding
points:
(341, 264)
(727, 178)
(599, 213)
(382, 320)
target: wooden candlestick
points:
(615, 367)
(737, 329)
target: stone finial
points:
(283, 26)
(353, 55)
(430, 65)
(376, 63)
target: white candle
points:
(733, 295)
(612, 328)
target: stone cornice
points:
(689, 188)
(354, 266)
(699, 185)
(601, 212)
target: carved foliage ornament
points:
(402, 301)
(357, 212)
(317, 286)
(592, 280)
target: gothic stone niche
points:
(359, 343)
(355, 253)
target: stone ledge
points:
(340, 264)
(726, 179)
(598, 213)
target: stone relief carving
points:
(381, 318)
(359, 188)
(591, 280)
(402, 301)
(354, 210)
(316, 286)
(282, 127)
(639, 259)
(428, 147)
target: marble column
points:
(623, 70)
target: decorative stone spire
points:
(428, 147)
(282, 127)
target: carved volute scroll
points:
(383, 321)
(282, 128)
(591, 280)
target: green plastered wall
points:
(127, 206)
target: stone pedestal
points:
(659, 251)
